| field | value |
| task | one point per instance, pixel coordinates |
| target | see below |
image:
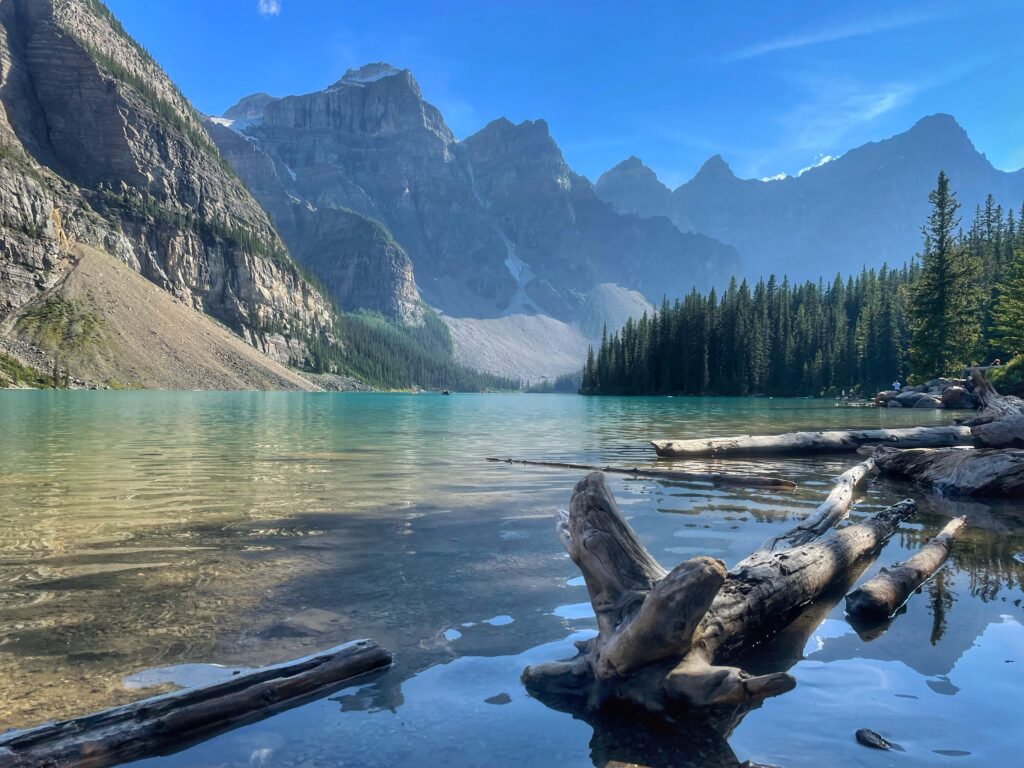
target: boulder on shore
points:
(956, 394)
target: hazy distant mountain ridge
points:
(864, 207)
(494, 225)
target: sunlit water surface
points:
(145, 533)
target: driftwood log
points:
(716, 478)
(880, 598)
(666, 639)
(834, 509)
(958, 471)
(836, 441)
(180, 719)
(994, 405)
(1004, 432)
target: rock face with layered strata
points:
(494, 225)
(98, 147)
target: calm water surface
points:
(144, 535)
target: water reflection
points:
(147, 530)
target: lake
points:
(144, 535)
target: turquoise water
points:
(144, 533)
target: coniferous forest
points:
(959, 302)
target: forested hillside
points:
(959, 302)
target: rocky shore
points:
(954, 394)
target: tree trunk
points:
(882, 596)
(665, 639)
(716, 478)
(814, 442)
(958, 471)
(182, 718)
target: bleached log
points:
(880, 598)
(666, 640)
(716, 478)
(177, 719)
(825, 517)
(959, 471)
(835, 441)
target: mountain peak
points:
(369, 73)
(715, 167)
(249, 107)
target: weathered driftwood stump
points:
(994, 405)
(880, 598)
(835, 441)
(666, 639)
(958, 471)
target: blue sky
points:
(771, 86)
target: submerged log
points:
(882, 596)
(716, 478)
(959, 471)
(179, 719)
(837, 441)
(666, 639)
(835, 508)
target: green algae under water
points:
(145, 533)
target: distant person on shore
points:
(896, 385)
(996, 363)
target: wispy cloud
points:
(269, 7)
(831, 34)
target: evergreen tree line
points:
(959, 302)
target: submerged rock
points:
(876, 741)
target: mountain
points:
(494, 225)
(865, 207)
(632, 187)
(98, 148)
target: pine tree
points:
(946, 307)
(1008, 313)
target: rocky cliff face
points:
(353, 256)
(494, 225)
(865, 207)
(99, 147)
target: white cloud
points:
(832, 34)
(269, 7)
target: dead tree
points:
(994, 405)
(880, 598)
(959, 472)
(666, 639)
(1004, 432)
(835, 441)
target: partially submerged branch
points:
(716, 478)
(880, 598)
(181, 718)
(836, 441)
(829, 513)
